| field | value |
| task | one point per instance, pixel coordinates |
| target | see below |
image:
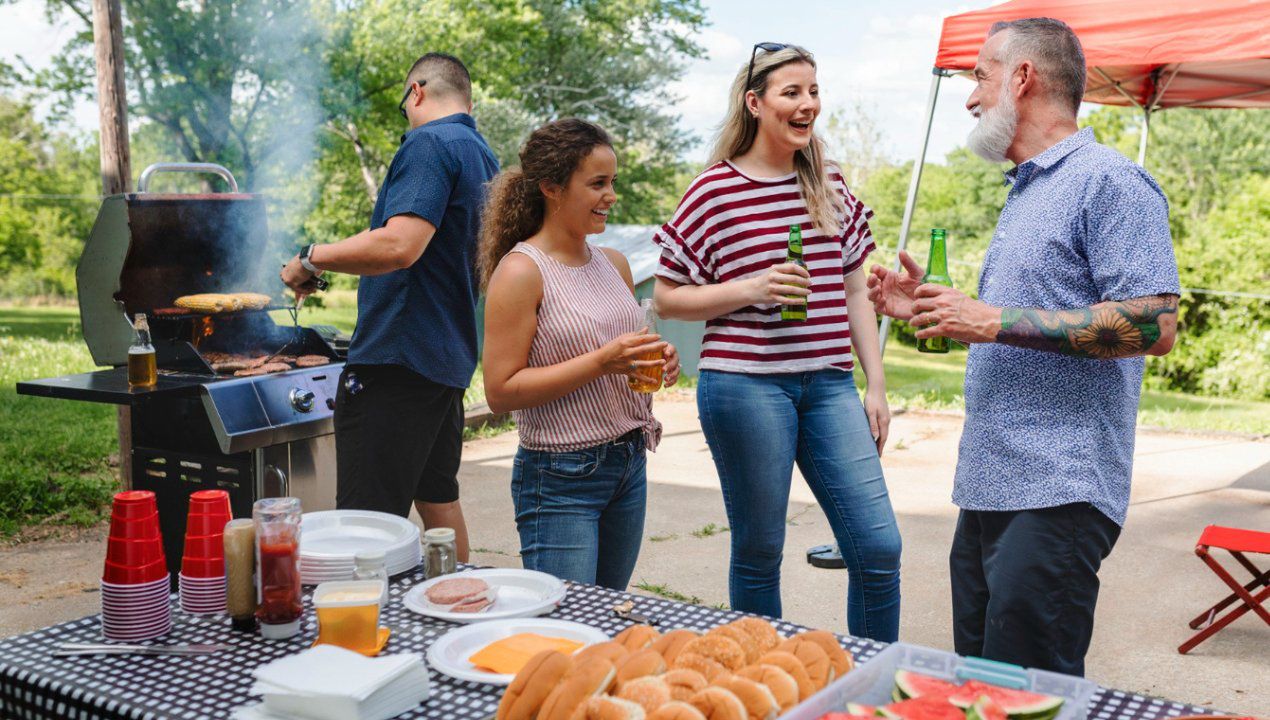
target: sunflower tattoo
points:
(1104, 331)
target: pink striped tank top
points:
(582, 309)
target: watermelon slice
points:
(858, 709)
(923, 708)
(909, 684)
(1017, 704)
(985, 709)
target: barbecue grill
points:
(197, 429)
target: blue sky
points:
(878, 54)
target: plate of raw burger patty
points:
(490, 594)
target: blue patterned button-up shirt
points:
(1082, 224)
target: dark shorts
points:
(398, 438)
(1025, 583)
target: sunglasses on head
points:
(401, 106)
(765, 46)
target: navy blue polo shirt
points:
(424, 317)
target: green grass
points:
(53, 453)
(667, 592)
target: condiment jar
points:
(440, 557)
(279, 607)
(240, 569)
(370, 565)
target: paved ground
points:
(1152, 583)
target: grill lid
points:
(147, 249)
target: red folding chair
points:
(1236, 542)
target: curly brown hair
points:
(516, 207)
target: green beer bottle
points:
(795, 255)
(937, 273)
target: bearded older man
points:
(1078, 283)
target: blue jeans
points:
(757, 427)
(580, 514)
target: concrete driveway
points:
(1151, 585)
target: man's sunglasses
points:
(749, 75)
(401, 106)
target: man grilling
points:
(1078, 283)
(399, 409)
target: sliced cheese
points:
(509, 655)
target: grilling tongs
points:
(317, 283)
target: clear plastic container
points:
(348, 615)
(371, 565)
(871, 683)
(439, 554)
(277, 525)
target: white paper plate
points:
(449, 654)
(521, 594)
(344, 533)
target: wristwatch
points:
(304, 259)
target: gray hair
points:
(1055, 50)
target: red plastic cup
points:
(205, 524)
(210, 502)
(131, 504)
(198, 568)
(133, 553)
(134, 575)
(205, 547)
(146, 528)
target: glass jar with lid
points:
(440, 557)
(372, 565)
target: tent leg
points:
(1142, 141)
(913, 184)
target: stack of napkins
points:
(330, 683)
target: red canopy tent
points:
(1150, 54)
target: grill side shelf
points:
(106, 386)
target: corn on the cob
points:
(204, 302)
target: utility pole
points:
(116, 158)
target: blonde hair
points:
(739, 129)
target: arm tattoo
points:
(1104, 331)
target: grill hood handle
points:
(211, 168)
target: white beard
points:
(992, 137)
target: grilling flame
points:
(204, 328)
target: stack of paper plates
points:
(330, 539)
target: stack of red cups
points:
(202, 579)
(134, 583)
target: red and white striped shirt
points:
(730, 226)
(582, 309)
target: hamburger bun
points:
(649, 693)
(708, 668)
(744, 640)
(780, 683)
(611, 651)
(722, 650)
(763, 632)
(815, 659)
(670, 644)
(683, 683)
(530, 687)
(676, 710)
(717, 703)
(639, 664)
(586, 679)
(603, 707)
(795, 668)
(636, 637)
(839, 658)
(757, 699)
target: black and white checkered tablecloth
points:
(35, 685)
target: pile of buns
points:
(743, 670)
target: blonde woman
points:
(776, 392)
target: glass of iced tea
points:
(648, 379)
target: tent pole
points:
(914, 182)
(1142, 142)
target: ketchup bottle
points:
(279, 608)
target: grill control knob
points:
(302, 400)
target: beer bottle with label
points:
(142, 370)
(795, 255)
(937, 273)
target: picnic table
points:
(33, 684)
